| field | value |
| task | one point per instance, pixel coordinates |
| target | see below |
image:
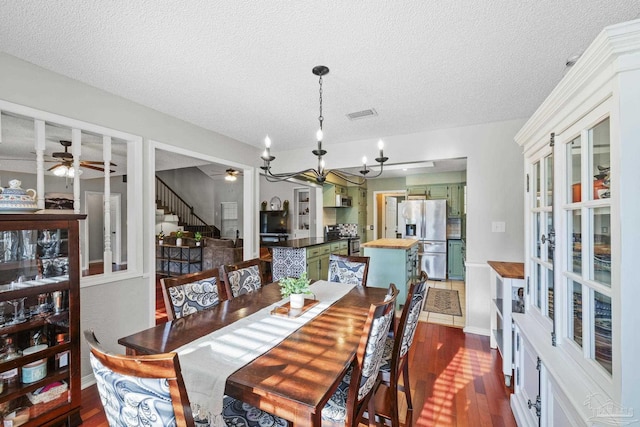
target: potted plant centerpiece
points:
(179, 235)
(295, 288)
(161, 237)
(198, 238)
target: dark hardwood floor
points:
(456, 380)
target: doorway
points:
(385, 213)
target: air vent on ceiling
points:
(362, 114)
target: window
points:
(74, 165)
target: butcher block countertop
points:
(390, 243)
(508, 270)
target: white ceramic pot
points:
(179, 241)
(296, 300)
(16, 199)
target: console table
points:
(172, 260)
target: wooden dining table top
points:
(295, 378)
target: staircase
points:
(171, 208)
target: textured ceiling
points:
(243, 68)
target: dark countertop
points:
(303, 243)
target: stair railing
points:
(166, 197)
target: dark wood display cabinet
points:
(39, 319)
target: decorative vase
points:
(197, 243)
(179, 241)
(160, 241)
(296, 300)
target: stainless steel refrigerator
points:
(426, 221)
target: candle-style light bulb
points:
(319, 135)
(380, 147)
(364, 160)
(265, 154)
(267, 142)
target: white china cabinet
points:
(576, 353)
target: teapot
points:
(15, 198)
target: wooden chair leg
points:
(407, 386)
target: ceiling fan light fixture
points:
(66, 171)
(231, 175)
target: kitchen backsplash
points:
(348, 229)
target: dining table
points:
(295, 378)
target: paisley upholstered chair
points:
(149, 390)
(395, 364)
(141, 390)
(243, 277)
(353, 396)
(187, 294)
(349, 269)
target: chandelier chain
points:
(320, 117)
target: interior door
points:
(390, 217)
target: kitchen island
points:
(392, 261)
(293, 257)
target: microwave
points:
(343, 201)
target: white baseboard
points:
(476, 330)
(87, 381)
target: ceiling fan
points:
(231, 174)
(64, 167)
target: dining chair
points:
(353, 395)
(140, 390)
(149, 390)
(242, 277)
(189, 293)
(395, 357)
(349, 269)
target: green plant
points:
(295, 285)
(179, 234)
(161, 235)
(197, 236)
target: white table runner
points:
(207, 362)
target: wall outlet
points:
(498, 227)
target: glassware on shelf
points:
(18, 314)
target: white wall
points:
(495, 192)
(114, 309)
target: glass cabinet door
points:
(541, 211)
(587, 212)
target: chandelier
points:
(321, 173)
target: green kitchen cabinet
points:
(437, 191)
(455, 261)
(329, 193)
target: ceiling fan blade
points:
(93, 167)
(54, 167)
(95, 162)
(22, 159)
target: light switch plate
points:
(498, 226)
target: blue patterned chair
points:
(349, 269)
(187, 294)
(149, 391)
(243, 277)
(353, 396)
(395, 363)
(142, 390)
